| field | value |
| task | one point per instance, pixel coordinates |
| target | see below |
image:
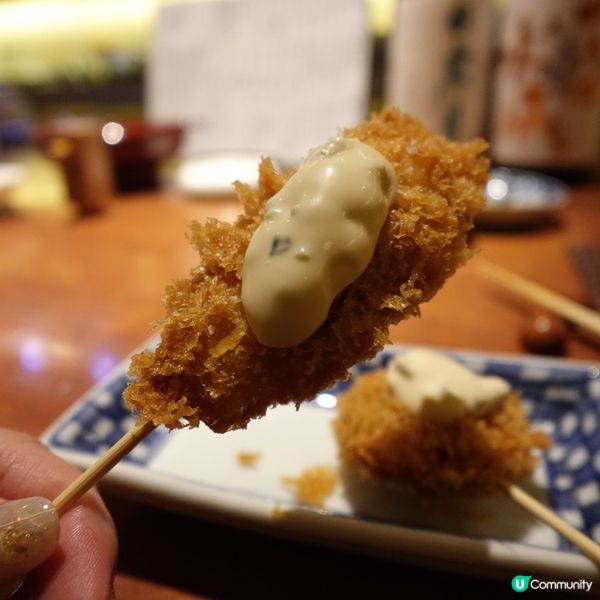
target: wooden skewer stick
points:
(568, 309)
(102, 466)
(590, 548)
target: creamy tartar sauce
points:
(442, 389)
(317, 236)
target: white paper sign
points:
(275, 77)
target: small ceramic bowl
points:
(521, 198)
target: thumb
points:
(29, 531)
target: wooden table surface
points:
(77, 295)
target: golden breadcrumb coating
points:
(210, 368)
(379, 436)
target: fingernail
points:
(29, 531)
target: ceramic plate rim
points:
(500, 557)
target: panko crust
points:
(384, 441)
(210, 368)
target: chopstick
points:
(568, 309)
(102, 466)
(590, 548)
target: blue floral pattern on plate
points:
(100, 420)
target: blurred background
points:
(98, 96)
(123, 120)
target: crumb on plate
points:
(248, 459)
(313, 485)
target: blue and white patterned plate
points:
(201, 472)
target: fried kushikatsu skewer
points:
(210, 367)
(428, 424)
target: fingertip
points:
(29, 532)
(84, 563)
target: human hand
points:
(77, 559)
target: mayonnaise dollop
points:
(442, 389)
(317, 236)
